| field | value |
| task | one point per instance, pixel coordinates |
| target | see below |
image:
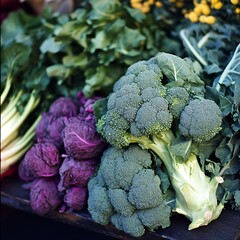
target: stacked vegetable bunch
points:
(88, 49)
(163, 131)
(58, 166)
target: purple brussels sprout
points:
(64, 106)
(86, 111)
(41, 160)
(49, 129)
(55, 129)
(76, 197)
(41, 128)
(44, 196)
(76, 173)
(81, 140)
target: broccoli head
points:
(159, 104)
(201, 120)
(148, 97)
(126, 192)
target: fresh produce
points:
(44, 196)
(15, 136)
(226, 92)
(71, 162)
(81, 141)
(100, 39)
(68, 53)
(41, 160)
(76, 173)
(76, 197)
(126, 192)
(137, 111)
(129, 109)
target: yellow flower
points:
(203, 19)
(158, 4)
(193, 17)
(234, 2)
(217, 5)
(198, 9)
(214, 2)
(210, 20)
(151, 2)
(237, 10)
(206, 9)
(135, 1)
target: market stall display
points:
(124, 115)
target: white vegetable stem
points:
(14, 123)
(230, 69)
(191, 48)
(17, 148)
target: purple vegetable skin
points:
(76, 197)
(55, 129)
(64, 106)
(81, 140)
(86, 106)
(76, 173)
(41, 129)
(41, 160)
(44, 196)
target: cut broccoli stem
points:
(195, 192)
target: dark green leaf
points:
(50, 45)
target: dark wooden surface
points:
(226, 227)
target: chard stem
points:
(6, 89)
(192, 49)
(5, 164)
(32, 103)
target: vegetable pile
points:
(127, 109)
(66, 153)
(160, 105)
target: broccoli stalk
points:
(140, 111)
(195, 192)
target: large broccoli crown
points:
(200, 120)
(128, 187)
(146, 99)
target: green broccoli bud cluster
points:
(126, 192)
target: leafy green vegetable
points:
(225, 91)
(102, 39)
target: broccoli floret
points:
(153, 117)
(145, 191)
(200, 120)
(154, 218)
(130, 184)
(99, 203)
(163, 111)
(119, 200)
(129, 224)
(178, 98)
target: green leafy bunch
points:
(100, 39)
